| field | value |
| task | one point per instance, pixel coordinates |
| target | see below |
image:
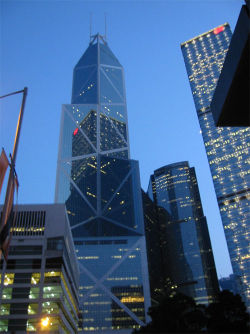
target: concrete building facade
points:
(39, 281)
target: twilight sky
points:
(41, 41)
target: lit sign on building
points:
(218, 30)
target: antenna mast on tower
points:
(105, 36)
(90, 26)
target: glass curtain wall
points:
(101, 188)
(227, 148)
(189, 263)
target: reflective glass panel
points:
(111, 133)
(89, 57)
(113, 172)
(119, 125)
(107, 57)
(84, 230)
(109, 93)
(74, 142)
(84, 174)
(116, 77)
(120, 154)
(111, 228)
(63, 174)
(78, 209)
(85, 118)
(84, 83)
(120, 260)
(121, 208)
(132, 297)
(117, 112)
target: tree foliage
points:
(181, 314)
(227, 315)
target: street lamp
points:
(45, 322)
(10, 186)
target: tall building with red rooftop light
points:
(100, 185)
(227, 148)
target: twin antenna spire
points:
(93, 37)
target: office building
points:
(160, 284)
(227, 148)
(39, 282)
(229, 283)
(188, 258)
(101, 188)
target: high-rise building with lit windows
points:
(227, 148)
(101, 188)
(39, 282)
(186, 257)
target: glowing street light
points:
(45, 322)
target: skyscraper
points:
(227, 148)
(155, 240)
(101, 188)
(188, 258)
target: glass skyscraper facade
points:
(157, 260)
(188, 262)
(101, 188)
(227, 148)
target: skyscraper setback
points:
(227, 148)
(101, 188)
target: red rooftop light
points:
(218, 30)
(75, 132)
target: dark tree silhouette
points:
(227, 315)
(180, 314)
(177, 314)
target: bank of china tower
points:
(100, 186)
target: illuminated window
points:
(31, 325)
(132, 300)
(35, 278)
(7, 293)
(32, 308)
(8, 279)
(5, 309)
(3, 326)
(52, 277)
(52, 274)
(68, 292)
(34, 293)
(50, 307)
(52, 292)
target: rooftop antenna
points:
(90, 26)
(105, 16)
